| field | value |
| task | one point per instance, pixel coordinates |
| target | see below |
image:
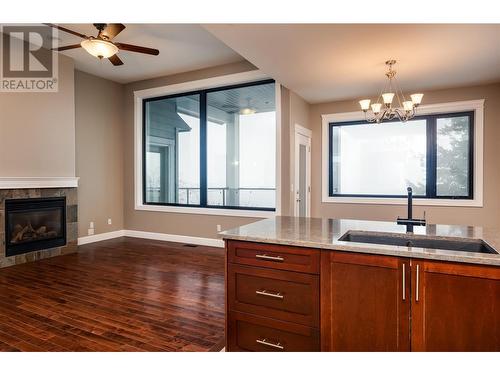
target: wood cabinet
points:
(288, 296)
(283, 298)
(365, 302)
(255, 333)
(272, 297)
(455, 307)
(278, 257)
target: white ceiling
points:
(343, 61)
(183, 47)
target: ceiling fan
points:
(102, 45)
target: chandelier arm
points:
(399, 91)
(380, 94)
(400, 116)
(368, 119)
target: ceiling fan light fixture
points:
(99, 48)
(247, 111)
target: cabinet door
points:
(365, 302)
(455, 307)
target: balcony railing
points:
(223, 196)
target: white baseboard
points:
(100, 237)
(152, 236)
(175, 238)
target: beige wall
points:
(489, 215)
(99, 152)
(37, 130)
(165, 222)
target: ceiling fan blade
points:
(115, 60)
(112, 29)
(64, 48)
(132, 48)
(66, 30)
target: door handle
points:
(417, 282)
(404, 282)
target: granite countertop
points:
(325, 234)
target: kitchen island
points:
(306, 284)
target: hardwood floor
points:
(124, 294)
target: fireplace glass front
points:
(34, 224)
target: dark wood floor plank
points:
(118, 295)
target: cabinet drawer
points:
(274, 256)
(283, 295)
(257, 334)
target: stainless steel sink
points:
(471, 246)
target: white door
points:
(302, 184)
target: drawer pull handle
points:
(272, 345)
(269, 257)
(270, 294)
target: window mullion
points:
(203, 149)
(431, 157)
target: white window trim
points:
(463, 106)
(220, 81)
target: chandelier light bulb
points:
(365, 104)
(376, 107)
(408, 105)
(416, 98)
(388, 96)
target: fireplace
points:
(34, 224)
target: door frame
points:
(300, 131)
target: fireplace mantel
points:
(38, 182)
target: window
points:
(432, 154)
(212, 148)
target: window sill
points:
(206, 211)
(403, 201)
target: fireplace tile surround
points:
(71, 223)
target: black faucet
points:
(410, 221)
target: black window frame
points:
(203, 147)
(431, 152)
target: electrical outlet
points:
(91, 225)
(109, 221)
(90, 231)
(219, 227)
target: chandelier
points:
(391, 103)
